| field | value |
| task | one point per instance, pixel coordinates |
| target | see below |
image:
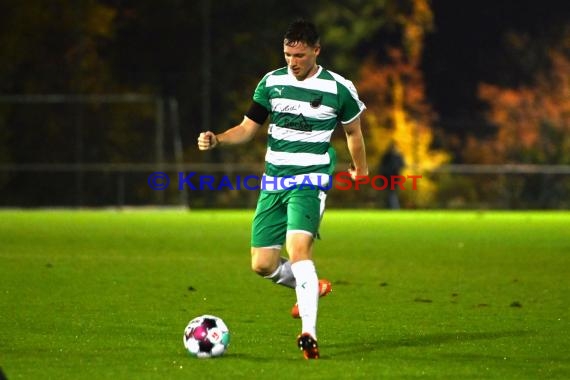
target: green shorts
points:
(282, 211)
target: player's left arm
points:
(356, 147)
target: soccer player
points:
(304, 103)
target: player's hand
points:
(207, 141)
(356, 173)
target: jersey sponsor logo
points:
(298, 123)
(284, 107)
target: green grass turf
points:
(451, 295)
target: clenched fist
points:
(207, 141)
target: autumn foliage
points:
(399, 114)
(533, 122)
(532, 127)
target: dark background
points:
(469, 46)
(209, 59)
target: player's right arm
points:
(239, 134)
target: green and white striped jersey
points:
(303, 116)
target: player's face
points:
(301, 59)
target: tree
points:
(392, 86)
(533, 122)
(399, 114)
(63, 47)
(365, 28)
(532, 127)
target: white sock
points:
(307, 290)
(283, 274)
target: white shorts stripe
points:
(277, 246)
(299, 232)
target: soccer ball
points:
(206, 336)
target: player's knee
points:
(261, 264)
(262, 268)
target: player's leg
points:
(304, 213)
(300, 247)
(267, 237)
(325, 286)
(267, 262)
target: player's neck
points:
(313, 71)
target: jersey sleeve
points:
(350, 105)
(261, 95)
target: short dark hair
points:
(301, 30)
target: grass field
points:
(450, 295)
